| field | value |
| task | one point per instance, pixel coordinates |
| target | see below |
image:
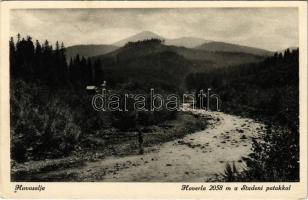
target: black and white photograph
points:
(198, 94)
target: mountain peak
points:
(139, 36)
(148, 33)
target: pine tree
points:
(37, 60)
(89, 72)
(98, 73)
(18, 37)
(63, 64)
(12, 57)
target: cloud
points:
(269, 28)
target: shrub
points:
(231, 173)
(40, 130)
(124, 120)
(275, 157)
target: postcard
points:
(153, 99)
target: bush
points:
(275, 157)
(155, 117)
(18, 150)
(279, 154)
(40, 130)
(231, 173)
(124, 120)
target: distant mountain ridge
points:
(199, 57)
(227, 47)
(189, 42)
(196, 45)
(88, 50)
(152, 63)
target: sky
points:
(267, 28)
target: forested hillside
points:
(145, 63)
(151, 63)
(268, 91)
(48, 105)
(260, 88)
(200, 59)
(51, 113)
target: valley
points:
(197, 157)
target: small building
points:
(91, 89)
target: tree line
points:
(44, 64)
(146, 42)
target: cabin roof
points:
(90, 87)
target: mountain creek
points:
(197, 157)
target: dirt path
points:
(196, 157)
